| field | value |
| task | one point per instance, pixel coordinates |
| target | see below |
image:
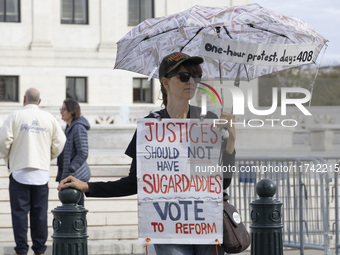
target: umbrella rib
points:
(267, 30)
(226, 30)
(191, 38)
(149, 37)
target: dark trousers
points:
(33, 199)
(82, 200)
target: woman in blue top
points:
(72, 160)
(179, 75)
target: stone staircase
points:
(112, 222)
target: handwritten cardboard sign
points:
(179, 200)
(256, 53)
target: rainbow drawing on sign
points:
(209, 93)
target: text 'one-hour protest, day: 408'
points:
(261, 56)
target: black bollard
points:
(69, 225)
(266, 227)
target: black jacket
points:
(128, 185)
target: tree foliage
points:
(324, 84)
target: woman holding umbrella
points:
(179, 75)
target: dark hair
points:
(192, 68)
(72, 106)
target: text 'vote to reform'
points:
(178, 201)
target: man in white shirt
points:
(29, 139)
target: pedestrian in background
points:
(29, 139)
(72, 160)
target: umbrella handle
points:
(220, 71)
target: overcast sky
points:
(322, 15)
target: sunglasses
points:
(185, 77)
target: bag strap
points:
(219, 244)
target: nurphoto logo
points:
(239, 106)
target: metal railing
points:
(335, 163)
(303, 185)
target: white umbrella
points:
(239, 42)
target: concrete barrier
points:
(322, 136)
(111, 136)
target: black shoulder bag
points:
(235, 235)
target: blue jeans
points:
(188, 249)
(33, 199)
